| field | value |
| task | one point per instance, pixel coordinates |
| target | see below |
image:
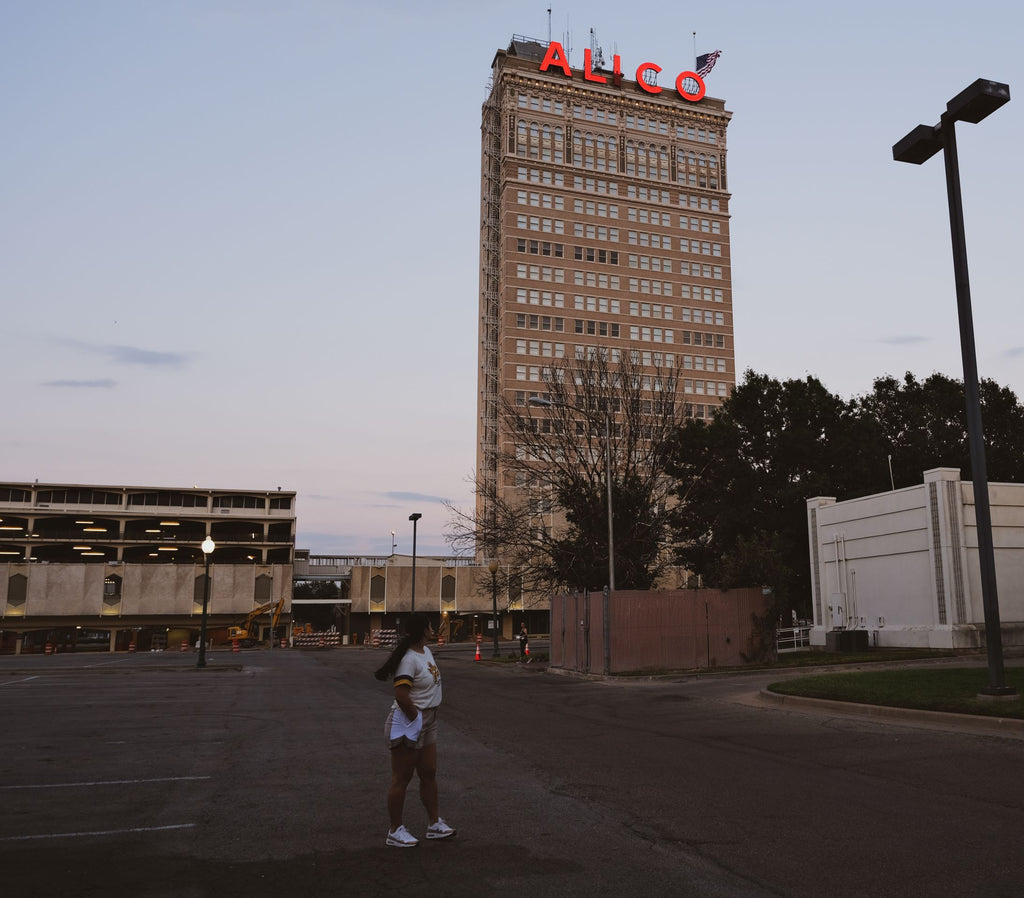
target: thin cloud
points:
(133, 355)
(903, 339)
(1014, 352)
(411, 497)
(103, 383)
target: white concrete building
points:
(903, 565)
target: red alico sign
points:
(555, 56)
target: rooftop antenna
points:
(549, 24)
(567, 40)
(596, 56)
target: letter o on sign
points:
(692, 76)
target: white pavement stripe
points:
(22, 680)
(101, 832)
(162, 779)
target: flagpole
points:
(695, 50)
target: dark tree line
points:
(747, 473)
(723, 498)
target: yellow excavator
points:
(244, 631)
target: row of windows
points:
(540, 104)
(703, 363)
(610, 116)
(595, 114)
(636, 310)
(707, 225)
(600, 210)
(595, 185)
(590, 254)
(706, 387)
(702, 316)
(541, 273)
(708, 294)
(611, 235)
(601, 152)
(540, 248)
(541, 200)
(534, 223)
(698, 338)
(649, 216)
(540, 348)
(541, 176)
(651, 334)
(540, 323)
(611, 188)
(595, 232)
(82, 497)
(700, 247)
(641, 309)
(595, 328)
(650, 263)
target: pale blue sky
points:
(200, 201)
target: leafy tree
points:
(551, 527)
(923, 424)
(744, 477)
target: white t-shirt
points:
(418, 670)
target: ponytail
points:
(415, 626)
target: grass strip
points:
(952, 690)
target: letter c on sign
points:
(643, 85)
(701, 87)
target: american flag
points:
(707, 62)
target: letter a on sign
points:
(556, 57)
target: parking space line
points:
(101, 832)
(22, 680)
(161, 779)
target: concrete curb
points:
(973, 722)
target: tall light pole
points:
(548, 403)
(493, 568)
(414, 517)
(208, 546)
(970, 105)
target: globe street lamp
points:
(208, 546)
(971, 105)
(493, 568)
(414, 517)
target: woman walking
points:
(411, 730)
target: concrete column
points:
(819, 585)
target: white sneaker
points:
(401, 838)
(440, 830)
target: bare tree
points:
(548, 518)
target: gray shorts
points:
(428, 735)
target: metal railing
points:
(792, 639)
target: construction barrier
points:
(314, 640)
(48, 649)
(131, 647)
(384, 639)
(284, 642)
(234, 645)
(184, 645)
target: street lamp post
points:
(208, 546)
(971, 105)
(414, 517)
(493, 568)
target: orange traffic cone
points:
(527, 648)
(477, 658)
